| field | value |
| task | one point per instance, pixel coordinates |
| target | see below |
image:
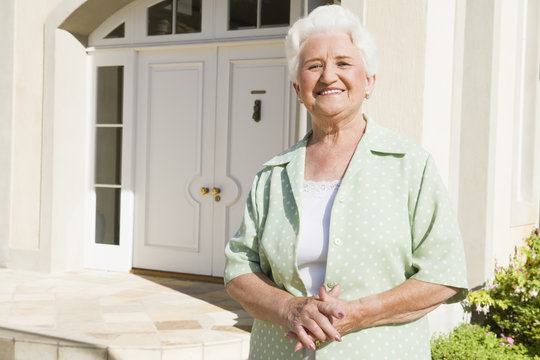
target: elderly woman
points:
(348, 237)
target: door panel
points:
(243, 144)
(174, 158)
(196, 129)
(253, 142)
(174, 116)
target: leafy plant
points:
(474, 342)
(511, 305)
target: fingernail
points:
(338, 338)
(312, 346)
(341, 315)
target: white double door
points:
(195, 130)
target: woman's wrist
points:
(284, 309)
(361, 313)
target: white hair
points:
(330, 18)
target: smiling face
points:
(332, 80)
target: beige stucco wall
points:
(414, 93)
(25, 248)
(397, 101)
(6, 101)
(71, 154)
(27, 111)
(59, 247)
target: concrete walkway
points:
(96, 315)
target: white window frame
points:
(525, 210)
(124, 15)
(214, 24)
(106, 256)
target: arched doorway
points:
(189, 98)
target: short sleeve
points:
(437, 254)
(242, 250)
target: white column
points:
(475, 136)
(440, 123)
(356, 6)
(438, 83)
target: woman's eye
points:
(343, 63)
(314, 66)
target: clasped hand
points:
(320, 317)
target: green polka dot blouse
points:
(391, 220)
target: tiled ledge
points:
(18, 345)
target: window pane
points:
(160, 18)
(108, 155)
(275, 13)
(312, 4)
(188, 16)
(108, 216)
(110, 93)
(118, 32)
(242, 14)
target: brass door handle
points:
(204, 190)
(216, 191)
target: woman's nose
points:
(329, 74)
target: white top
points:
(312, 247)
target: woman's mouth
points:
(330, 91)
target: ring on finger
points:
(317, 343)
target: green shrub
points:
(511, 305)
(474, 342)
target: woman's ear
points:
(371, 83)
(296, 88)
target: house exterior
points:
(130, 129)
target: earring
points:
(367, 95)
(299, 100)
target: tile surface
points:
(95, 315)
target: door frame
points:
(120, 258)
